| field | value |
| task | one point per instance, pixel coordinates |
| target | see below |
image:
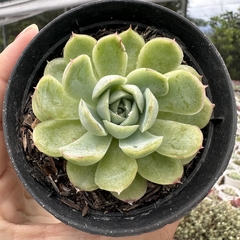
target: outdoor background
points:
(218, 19)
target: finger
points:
(10, 55)
(8, 59)
(64, 232)
(44, 232)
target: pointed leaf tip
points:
(160, 54)
(109, 56)
(134, 192)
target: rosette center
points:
(118, 107)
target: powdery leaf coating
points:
(187, 160)
(74, 79)
(134, 192)
(118, 131)
(109, 56)
(186, 94)
(145, 78)
(160, 169)
(179, 140)
(160, 54)
(140, 144)
(133, 44)
(90, 119)
(150, 112)
(77, 45)
(107, 82)
(86, 150)
(116, 171)
(51, 135)
(55, 68)
(103, 106)
(199, 119)
(191, 70)
(53, 102)
(36, 109)
(82, 176)
(136, 93)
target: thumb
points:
(9, 57)
(12, 52)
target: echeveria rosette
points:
(121, 112)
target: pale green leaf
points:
(160, 54)
(109, 56)
(49, 136)
(179, 140)
(186, 94)
(136, 93)
(160, 169)
(191, 70)
(37, 111)
(79, 80)
(53, 102)
(140, 144)
(86, 150)
(149, 115)
(133, 43)
(149, 78)
(132, 116)
(90, 120)
(116, 118)
(107, 82)
(200, 119)
(82, 177)
(55, 68)
(116, 171)
(187, 160)
(103, 106)
(118, 95)
(77, 45)
(134, 192)
(119, 132)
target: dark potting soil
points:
(51, 172)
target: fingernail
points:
(32, 26)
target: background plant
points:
(226, 37)
(211, 219)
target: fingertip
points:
(13, 51)
(33, 28)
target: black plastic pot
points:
(200, 52)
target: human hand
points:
(21, 217)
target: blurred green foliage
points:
(226, 37)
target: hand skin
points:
(21, 217)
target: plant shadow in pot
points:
(219, 135)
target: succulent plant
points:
(121, 112)
(234, 175)
(211, 219)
